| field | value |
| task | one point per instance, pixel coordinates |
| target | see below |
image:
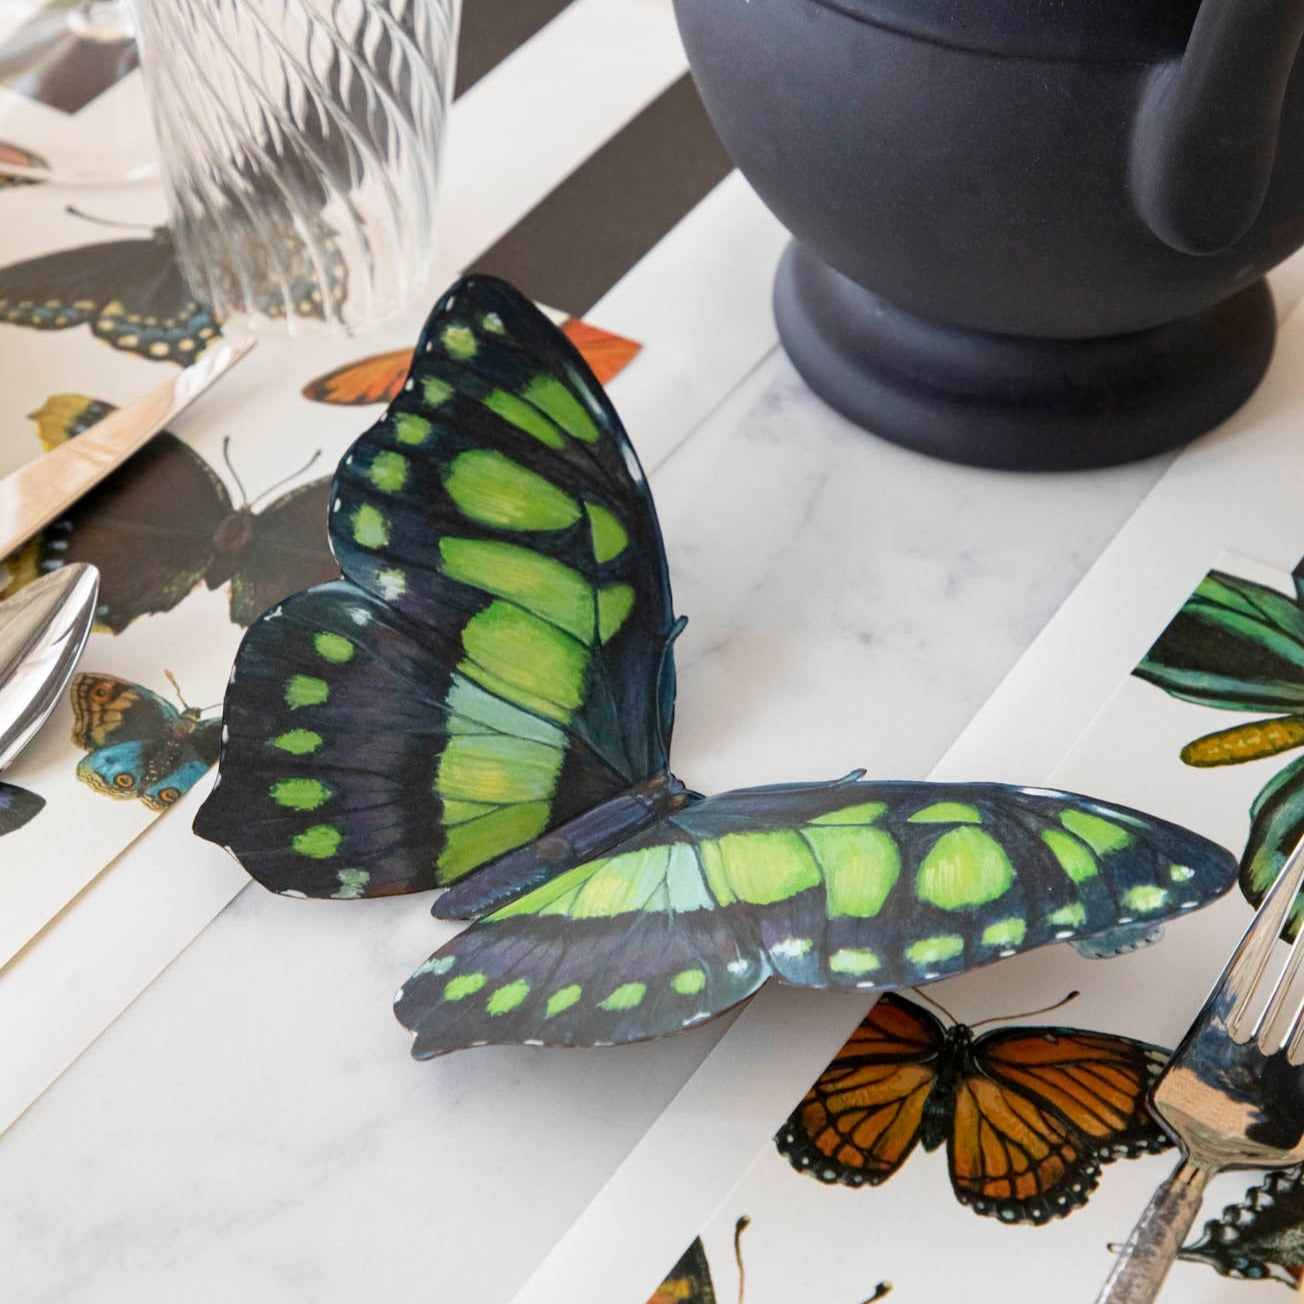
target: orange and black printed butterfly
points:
(163, 523)
(16, 157)
(1262, 1237)
(380, 377)
(1028, 1115)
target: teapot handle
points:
(1206, 132)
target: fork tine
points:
(1256, 949)
(1271, 1033)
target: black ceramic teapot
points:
(1028, 233)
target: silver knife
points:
(43, 489)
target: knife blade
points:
(41, 490)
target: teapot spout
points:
(1206, 134)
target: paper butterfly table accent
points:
(1027, 1114)
(1260, 1238)
(484, 703)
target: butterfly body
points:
(1027, 1115)
(484, 703)
(139, 745)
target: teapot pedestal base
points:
(1018, 403)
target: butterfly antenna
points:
(106, 221)
(936, 1004)
(176, 688)
(741, 1226)
(294, 475)
(235, 475)
(1030, 1014)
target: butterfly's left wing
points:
(1261, 1237)
(17, 806)
(106, 708)
(287, 551)
(1042, 1109)
(1235, 645)
(377, 378)
(848, 885)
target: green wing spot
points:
(497, 770)
(615, 602)
(861, 867)
(475, 711)
(562, 999)
(320, 842)
(1074, 858)
(865, 813)
(622, 885)
(947, 812)
(494, 490)
(526, 660)
(1145, 898)
(791, 948)
(1070, 916)
(524, 417)
(854, 960)
(392, 584)
(1101, 835)
(437, 393)
(493, 323)
(464, 985)
(334, 648)
(437, 965)
(685, 886)
(963, 869)
(610, 538)
(688, 982)
(298, 742)
(507, 997)
(760, 868)
(353, 884)
(544, 587)
(299, 794)
(478, 841)
(370, 527)
(305, 690)
(413, 430)
(628, 996)
(1005, 932)
(934, 950)
(388, 471)
(459, 342)
(550, 395)
(1181, 873)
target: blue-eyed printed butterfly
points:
(484, 703)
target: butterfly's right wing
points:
(377, 378)
(108, 709)
(1235, 645)
(1261, 1237)
(861, 1119)
(148, 528)
(495, 661)
(689, 1281)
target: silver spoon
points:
(43, 629)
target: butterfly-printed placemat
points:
(1022, 1146)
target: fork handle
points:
(1143, 1262)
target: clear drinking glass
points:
(300, 146)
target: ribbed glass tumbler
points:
(300, 145)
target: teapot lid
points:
(1096, 31)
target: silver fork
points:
(1232, 1096)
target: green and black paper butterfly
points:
(1262, 1237)
(484, 702)
(139, 745)
(164, 523)
(1237, 645)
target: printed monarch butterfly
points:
(379, 377)
(1028, 1115)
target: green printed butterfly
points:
(484, 703)
(1237, 645)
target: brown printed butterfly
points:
(1027, 1114)
(380, 377)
